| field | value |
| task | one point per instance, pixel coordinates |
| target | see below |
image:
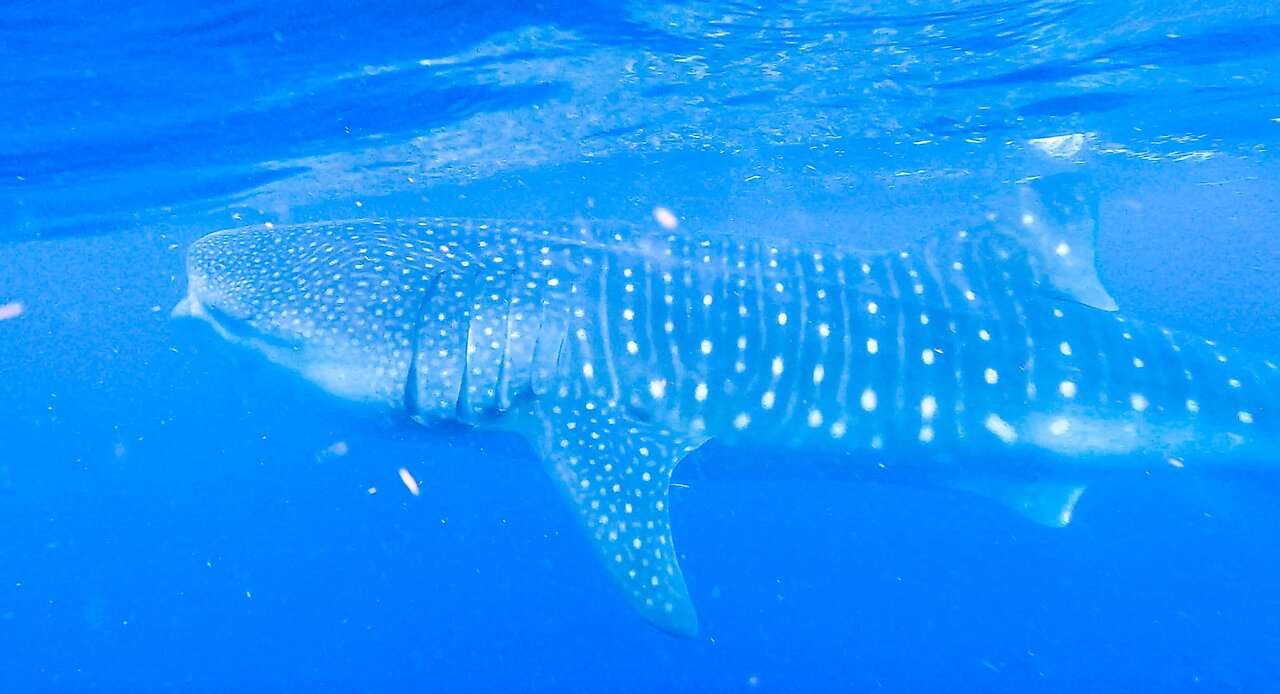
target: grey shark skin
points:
(989, 356)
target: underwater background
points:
(176, 514)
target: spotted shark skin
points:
(992, 355)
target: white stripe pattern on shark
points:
(616, 353)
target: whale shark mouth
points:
(240, 329)
(230, 327)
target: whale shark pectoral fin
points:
(1050, 504)
(615, 473)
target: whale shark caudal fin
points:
(615, 473)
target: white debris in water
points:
(1059, 146)
(665, 218)
(12, 309)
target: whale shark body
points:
(990, 358)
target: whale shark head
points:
(344, 321)
(441, 319)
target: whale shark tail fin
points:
(1057, 227)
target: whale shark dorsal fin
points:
(1058, 226)
(616, 473)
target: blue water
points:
(174, 515)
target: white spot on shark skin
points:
(1065, 348)
(1076, 432)
(1067, 389)
(927, 356)
(777, 366)
(873, 345)
(1245, 417)
(928, 407)
(1002, 429)
(868, 400)
(658, 388)
(873, 308)
(741, 421)
(815, 418)
(767, 400)
(991, 376)
(1139, 402)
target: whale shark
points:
(988, 358)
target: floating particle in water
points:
(1060, 146)
(335, 450)
(409, 482)
(13, 309)
(666, 218)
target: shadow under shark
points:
(988, 359)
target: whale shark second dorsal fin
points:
(1048, 247)
(615, 473)
(1058, 227)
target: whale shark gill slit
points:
(411, 384)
